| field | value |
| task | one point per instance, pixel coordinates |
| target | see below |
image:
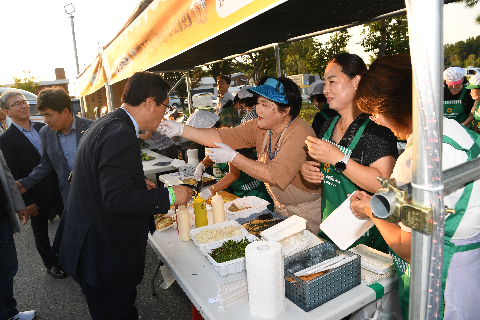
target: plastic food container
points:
(233, 223)
(285, 229)
(374, 260)
(228, 267)
(255, 204)
(299, 242)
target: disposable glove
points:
(170, 128)
(205, 194)
(199, 171)
(222, 154)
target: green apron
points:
(247, 186)
(476, 113)
(453, 109)
(336, 187)
(451, 224)
(322, 111)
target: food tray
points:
(171, 213)
(229, 267)
(285, 229)
(310, 294)
(369, 276)
(374, 260)
(256, 204)
(201, 246)
(305, 240)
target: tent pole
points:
(189, 94)
(176, 84)
(277, 58)
(110, 103)
(427, 61)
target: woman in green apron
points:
(278, 136)
(475, 94)
(350, 151)
(461, 270)
(457, 102)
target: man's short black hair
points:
(144, 85)
(55, 98)
(224, 77)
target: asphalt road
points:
(53, 299)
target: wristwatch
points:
(341, 165)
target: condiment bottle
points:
(183, 223)
(218, 208)
(200, 210)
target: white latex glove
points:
(170, 128)
(222, 154)
(205, 194)
(199, 171)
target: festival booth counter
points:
(195, 274)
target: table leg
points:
(152, 283)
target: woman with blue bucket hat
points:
(279, 137)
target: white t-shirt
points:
(470, 224)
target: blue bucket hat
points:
(272, 89)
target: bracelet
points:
(172, 195)
(214, 192)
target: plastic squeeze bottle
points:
(200, 210)
(218, 209)
(183, 223)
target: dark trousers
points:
(8, 269)
(40, 232)
(110, 304)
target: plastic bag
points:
(385, 308)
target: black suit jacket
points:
(109, 207)
(22, 157)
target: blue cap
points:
(272, 89)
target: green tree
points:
(257, 64)
(471, 4)
(325, 51)
(386, 37)
(299, 57)
(195, 78)
(463, 53)
(27, 83)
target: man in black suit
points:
(21, 147)
(109, 209)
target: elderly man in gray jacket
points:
(10, 202)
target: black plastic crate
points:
(310, 294)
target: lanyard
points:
(270, 155)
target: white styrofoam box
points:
(313, 240)
(374, 260)
(285, 229)
(343, 227)
(229, 267)
(293, 244)
(369, 276)
(201, 246)
(255, 205)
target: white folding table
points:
(199, 280)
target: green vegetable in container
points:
(230, 250)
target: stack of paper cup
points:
(192, 157)
(265, 277)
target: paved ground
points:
(62, 298)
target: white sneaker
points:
(25, 315)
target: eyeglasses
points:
(162, 104)
(19, 103)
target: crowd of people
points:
(91, 174)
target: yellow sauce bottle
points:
(200, 210)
